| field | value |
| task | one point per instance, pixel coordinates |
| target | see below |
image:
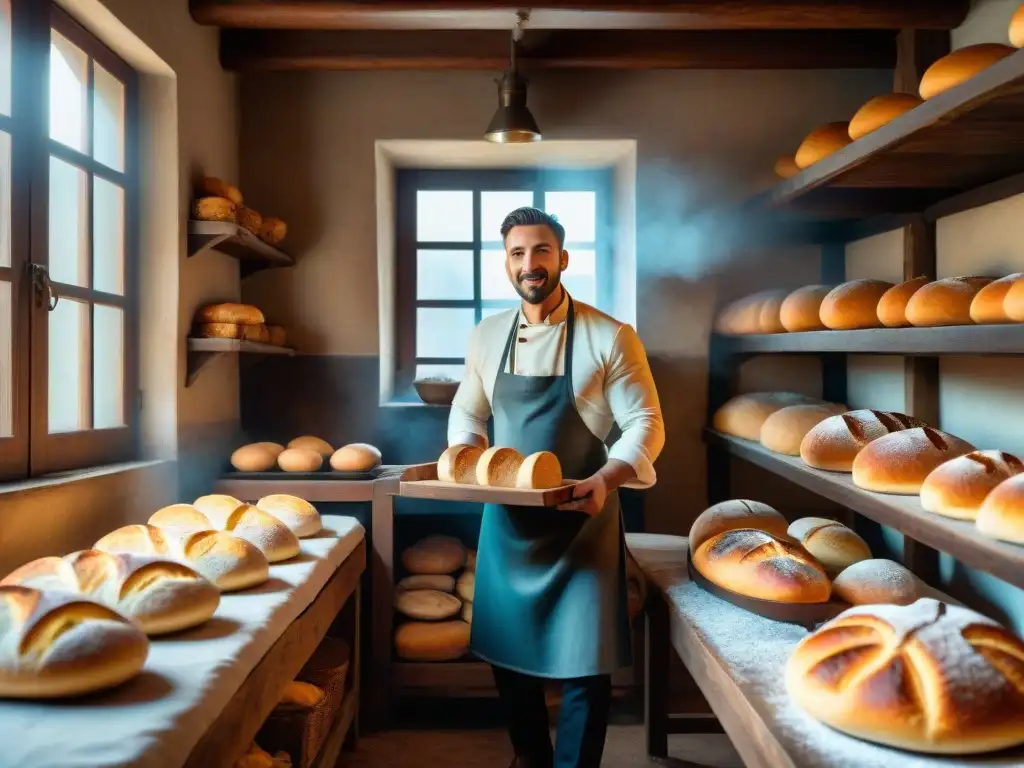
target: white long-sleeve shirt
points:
(611, 380)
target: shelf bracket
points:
(196, 362)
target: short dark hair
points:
(527, 217)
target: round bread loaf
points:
(801, 310)
(1002, 513)
(786, 167)
(927, 677)
(892, 307)
(853, 305)
(458, 464)
(311, 443)
(822, 142)
(732, 515)
(300, 460)
(498, 467)
(539, 470)
(899, 462)
(275, 448)
(432, 641)
(230, 312)
(272, 537)
(217, 507)
(298, 514)
(834, 443)
(881, 110)
(465, 585)
(214, 209)
(959, 487)
(467, 613)
(945, 302)
(744, 415)
(249, 219)
(427, 604)
(1013, 302)
(784, 430)
(273, 230)
(757, 564)
(182, 519)
(435, 581)
(988, 306)
(435, 555)
(959, 66)
(211, 185)
(831, 543)
(869, 582)
(1017, 28)
(355, 457)
(253, 458)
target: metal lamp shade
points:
(512, 123)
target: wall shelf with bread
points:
(202, 352)
(229, 328)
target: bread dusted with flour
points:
(539, 470)
(245, 521)
(784, 430)
(900, 462)
(959, 487)
(869, 582)
(735, 514)
(498, 467)
(834, 443)
(744, 415)
(892, 307)
(298, 514)
(458, 464)
(831, 543)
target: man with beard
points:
(550, 602)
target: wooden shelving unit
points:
(201, 352)
(236, 242)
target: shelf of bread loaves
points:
(306, 457)
(231, 328)
(892, 468)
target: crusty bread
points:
(822, 142)
(275, 448)
(835, 442)
(756, 313)
(900, 462)
(927, 677)
(248, 219)
(786, 167)
(945, 302)
(183, 519)
(298, 514)
(465, 586)
(355, 457)
(432, 641)
(273, 230)
(959, 487)
(217, 507)
(435, 581)
(959, 66)
(238, 314)
(831, 543)
(160, 595)
(434, 555)
(311, 443)
(853, 305)
(801, 310)
(301, 694)
(214, 187)
(217, 330)
(868, 582)
(498, 467)
(881, 110)
(458, 464)
(539, 470)
(426, 604)
(1017, 28)
(784, 430)
(892, 307)
(988, 306)
(757, 564)
(735, 514)
(744, 415)
(1013, 303)
(254, 457)
(299, 460)
(214, 209)
(255, 333)
(1002, 513)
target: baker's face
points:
(534, 262)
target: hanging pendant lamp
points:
(513, 123)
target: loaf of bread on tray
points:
(298, 514)
(801, 310)
(160, 595)
(960, 66)
(229, 312)
(300, 460)
(432, 640)
(539, 470)
(988, 305)
(784, 430)
(869, 582)
(927, 677)
(892, 307)
(853, 305)
(312, 443)
(1002, 513)
(735, 514)
(356, 457)
(834, 443)
(900, 462)
(945, 302)
(499, 467)
(255, 457)
(959, 487)
(458, 464)
(434, 555)
(831, 543)
(881, 110)
(427, 604)
(214, 187)
(822, 142)
(744, 415)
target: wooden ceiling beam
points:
(595, 14)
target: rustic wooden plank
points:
(447, 679)
(420, 482)
(382, 536)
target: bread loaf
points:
(217, 331)
(988, 305)
(237, 314)
(801, 310)
(434, 555)
(539, 470)
(498, 467)
(831, 543)
(160, 595)
(835, 442)
(438, 582)
(278, 335)
(892, 307)
(255, 333)
(1002, 513)
(784, 430)
(945, 302)
(311, 443)
(300, 694)
(355, 457)
(869, 582)
(757, 313)
(273, 230)
(881, 110)
(757, 564)
(299, 460)
(744, 415)
(249, 219)
(216, 507)
(427, 604)
(822, 142)
(298, 514)
(57, 644)
(464, 587)
(268, 534)
(253, 458)
(786, 167)
(735, 514)
(1013, 303)
(275, 448)
(214, 187)
(959, 487)
(458, 464)
(467, 613)
(214, 209)
(959, 66)
(432, 641)
(853, 305)
(927, 677)
(900, 462)
(1017, 28)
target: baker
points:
(556, 374)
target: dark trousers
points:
(582, 721)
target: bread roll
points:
(498, 467)
(769, 316)
(735, 514)
(57, 644)
(249, 219)
(800, 311)
(434, 555)
(310, 443)
(214, 209)
(298, 514)
(945, 302)
(959, 487)
(161, 596)
(744, 415)
(184, 519)
(255, 333)
(539, 470)
(786, 167)
(881, 110)
(869, 582)
(1002, 513)
(427, 604)
(831, 543)
(757, 564)
(959, 66)
(822, 142)
(268, 534)
(465, 585)
(299, 460)
(432, 641)
(217, 331)
(300, 694)
(988, 306)
(437, 582)
(216, 507)
(784, 430)
(253, 458)
(892, 307)
(238, 314)
(278, 336)
(467, 613)
(1013, 303)
(273, 230)
(757, 313)
(835, 442)
(1017, 28)
(899, 462)
(458, 464)
(853, 305)
(927, 677)
(275, 448)
(471, 560)
(355, 457)
(214, 187)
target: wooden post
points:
(378, 693)
(657, 655)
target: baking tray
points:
(807, 615)
(420, 482)
(323, 474)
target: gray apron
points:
(550, 584)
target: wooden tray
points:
(420, 482)
(322, 474)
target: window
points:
(67, 277)
(451, 260)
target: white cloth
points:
(155, 720)
(611, 380)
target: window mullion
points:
(477, 255)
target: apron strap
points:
(509, 343)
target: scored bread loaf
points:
(254, 457)
(869, 582)
(432, 641)
(1002, 513)
(831, 543)
(300, 460)
(298, 514)
(959, 487)
(784, 430)
(264, 531)
(1017, 28)
(312, 443)
(801, 310)
(434, 555)
(928, 677)
(899, 462)
(236, 314)
(988, 305)
(214, 187)
(465, 586)
(435, 581)
(215, 507)
(945, 302)
(1013, 303)
(757, 564)
(853, 305)
(458, 464)
(892, 307)
(744, 415)
(735, 514)
(881, 110)
(539, 470)
(834, 443)
(355, 457)
(786, 167)
(822, 142)
(58, 644)
(160, 595)
(961, 65)
(498, 467)
(426, 604)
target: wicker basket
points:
(301, 731)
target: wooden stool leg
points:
(657, 653)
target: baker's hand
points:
(588, 496)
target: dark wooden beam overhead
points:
(596, 14)
(258, 50)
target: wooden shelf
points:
(237, 242)
(201, 352)
(444, 679)
(903, 513)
